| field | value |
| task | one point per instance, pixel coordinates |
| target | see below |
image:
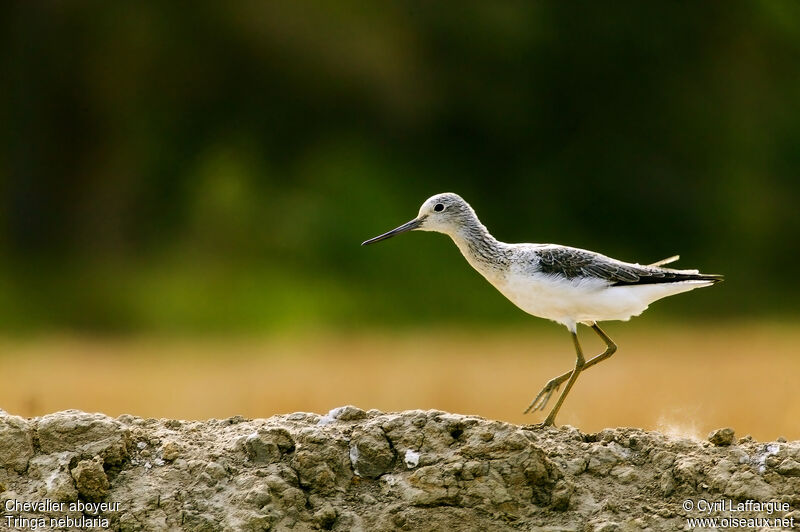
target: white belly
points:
(582, 301)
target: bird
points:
(567, 285)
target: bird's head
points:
(444, 213)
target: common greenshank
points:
(560, 283)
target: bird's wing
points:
(572, 263)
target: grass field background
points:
(676, 378)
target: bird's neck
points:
(483, 251)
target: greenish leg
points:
(553, 384)
(579, 364)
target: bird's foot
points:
(543, 425)
(540, 401)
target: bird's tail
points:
(710, 277)
(688, 275)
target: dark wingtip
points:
(672, 278)
(712, 278)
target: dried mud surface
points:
(357, 470)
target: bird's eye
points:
(439, 207)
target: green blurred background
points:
(213, 167)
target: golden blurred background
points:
(183, 193)
(679, 379)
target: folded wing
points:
(575, 263)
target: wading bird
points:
(560, 283)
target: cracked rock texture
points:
(356, 470)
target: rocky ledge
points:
(356, 470)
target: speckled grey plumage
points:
(564, 261)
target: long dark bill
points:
(408, 226)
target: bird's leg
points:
(579, 364)
(540, 401)
(611, 347)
